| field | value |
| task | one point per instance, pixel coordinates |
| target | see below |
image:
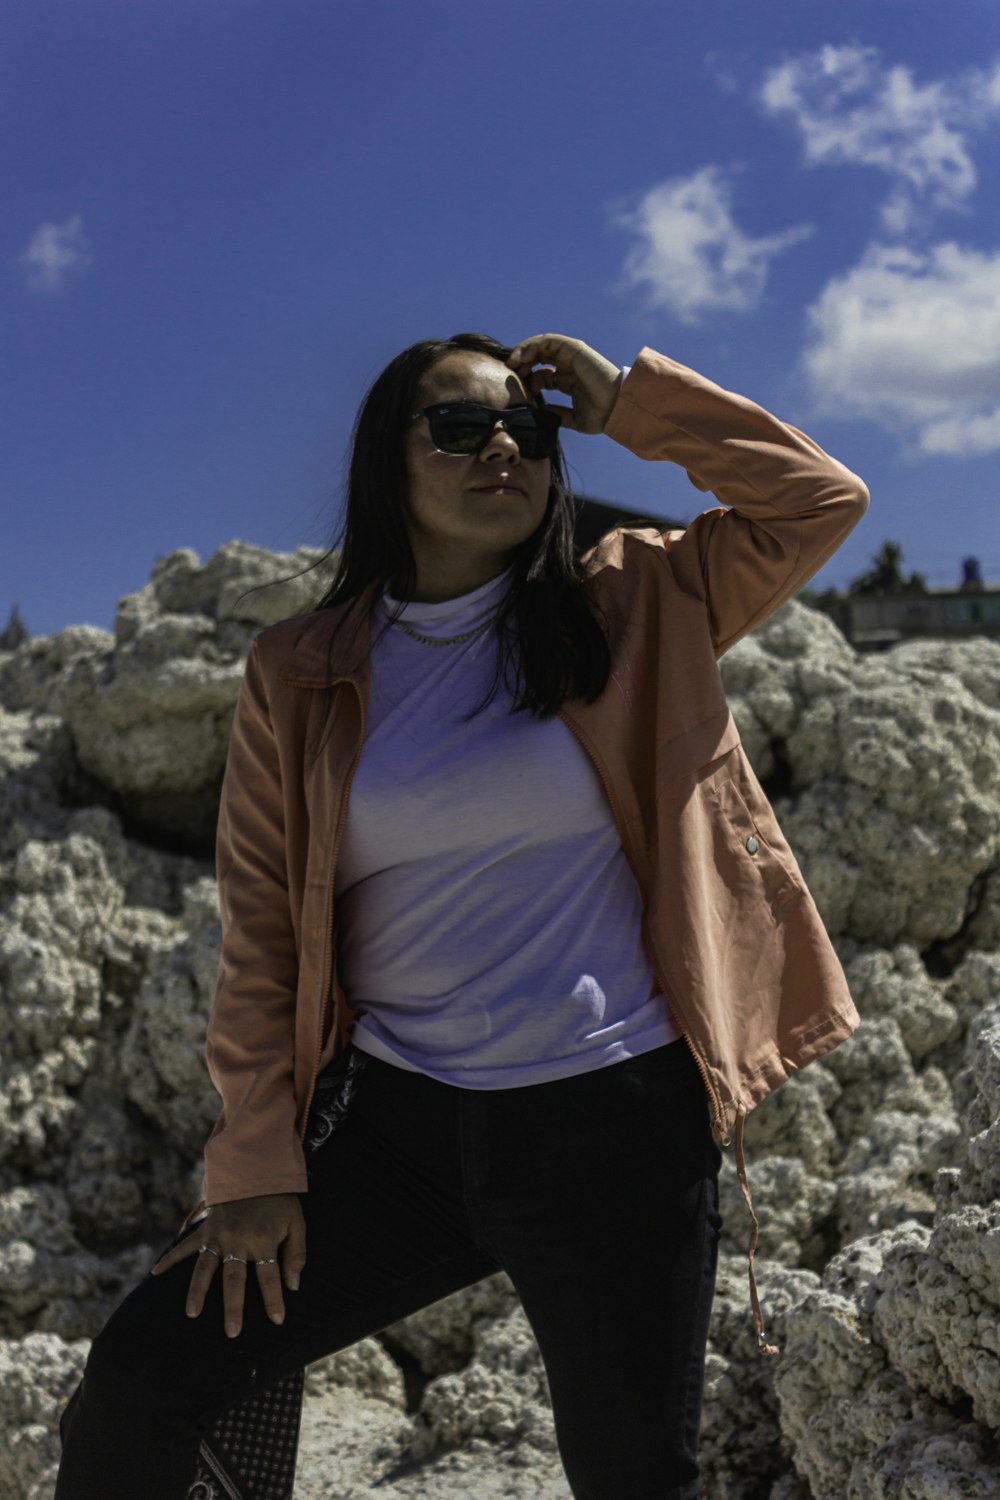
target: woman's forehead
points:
(468, 376)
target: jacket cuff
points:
(226, 1189)
(641, 397)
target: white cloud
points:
(56, 252)
(689, 252)
(852, 107)
(913, 341)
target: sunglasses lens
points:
(459, 430)
(533, 434)
(467, 429)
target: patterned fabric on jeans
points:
(332, 1098)
(250, 1452)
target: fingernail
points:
(277, 1317)
(293, 1281)
(191, 1310)
(232, 1330)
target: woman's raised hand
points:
(568, 365)
(252, 1229)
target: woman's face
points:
(469, 512)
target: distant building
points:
(882, 607)
(872, 622)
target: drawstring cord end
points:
(763, 1347)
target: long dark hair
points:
(550, 641)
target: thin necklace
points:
(434, 640)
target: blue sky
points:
(222, 217)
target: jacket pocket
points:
(753, 862)
(699, 746)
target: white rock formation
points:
(875, 1174)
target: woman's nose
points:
(501, 445)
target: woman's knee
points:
(143, 1349)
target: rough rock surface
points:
(875, 1173)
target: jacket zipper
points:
(585, 742)
(328, 963)
(717, 1130)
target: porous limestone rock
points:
(353, 1417)
(887, 769)
(76, 1004)
(29, 676)
(239, 584)
(49, 1281)
(150, 714)
(972, 989)
(888, 1175)
(979, 1166)
(742, 1447)
(500, 1397)
(856, 1425)
(795, 1120)
(796, 661)
(38, 1374)
(875, 1173)
(875, 1073)
(902, 1337)
(161, 1059)
(66, 898)
(792, 1205)
(365, 1368)
(347, 1441)
(441, 1337)
(897, 984)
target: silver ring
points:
(234, 1257)
(203, 1248)
(273, 1262)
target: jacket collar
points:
(330, 645)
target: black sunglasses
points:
(466, 427)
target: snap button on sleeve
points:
(752, 844)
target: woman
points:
(492, 861)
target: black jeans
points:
(597, 1194)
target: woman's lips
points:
(498, 489)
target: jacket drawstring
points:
(763, 1347)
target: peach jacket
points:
(733, 935)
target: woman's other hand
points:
(253, 1229)
(591, 381)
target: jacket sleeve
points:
(791, 504)
(254, 1147)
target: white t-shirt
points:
(487, 920)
